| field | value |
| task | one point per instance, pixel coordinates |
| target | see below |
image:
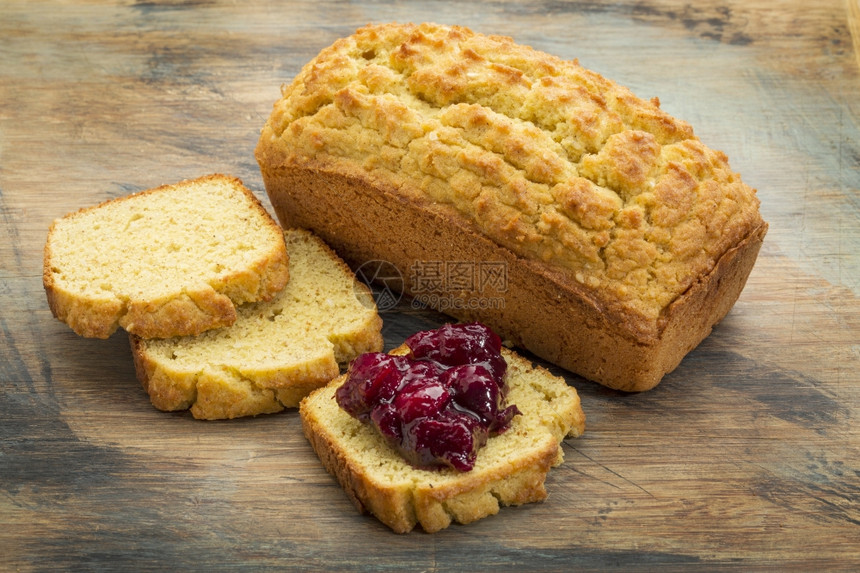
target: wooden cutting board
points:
(747, 456)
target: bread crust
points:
(190, 308)
(433, 499)
(543, 310)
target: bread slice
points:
(276, 352)
(169, 261)
(509, 470)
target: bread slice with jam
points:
(509, 470)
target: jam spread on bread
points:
(438, 404)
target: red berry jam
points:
(438, 404)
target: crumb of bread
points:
(169, 261)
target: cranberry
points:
(438, 404)
(453, 439)
(455, 344)
(475, 389)
(419, 369)
(421, 398)
(387, 420)
(373, 377)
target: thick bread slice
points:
(169, 261)
(510, 469)
(276, 352)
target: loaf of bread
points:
(276, 352)
(510, 469)
(518, 189)
(170, 261)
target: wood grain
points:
(746, 457)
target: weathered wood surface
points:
(747, 456)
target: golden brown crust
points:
(541, 309)
(510, 470)
(77, 298)
(623, 237)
